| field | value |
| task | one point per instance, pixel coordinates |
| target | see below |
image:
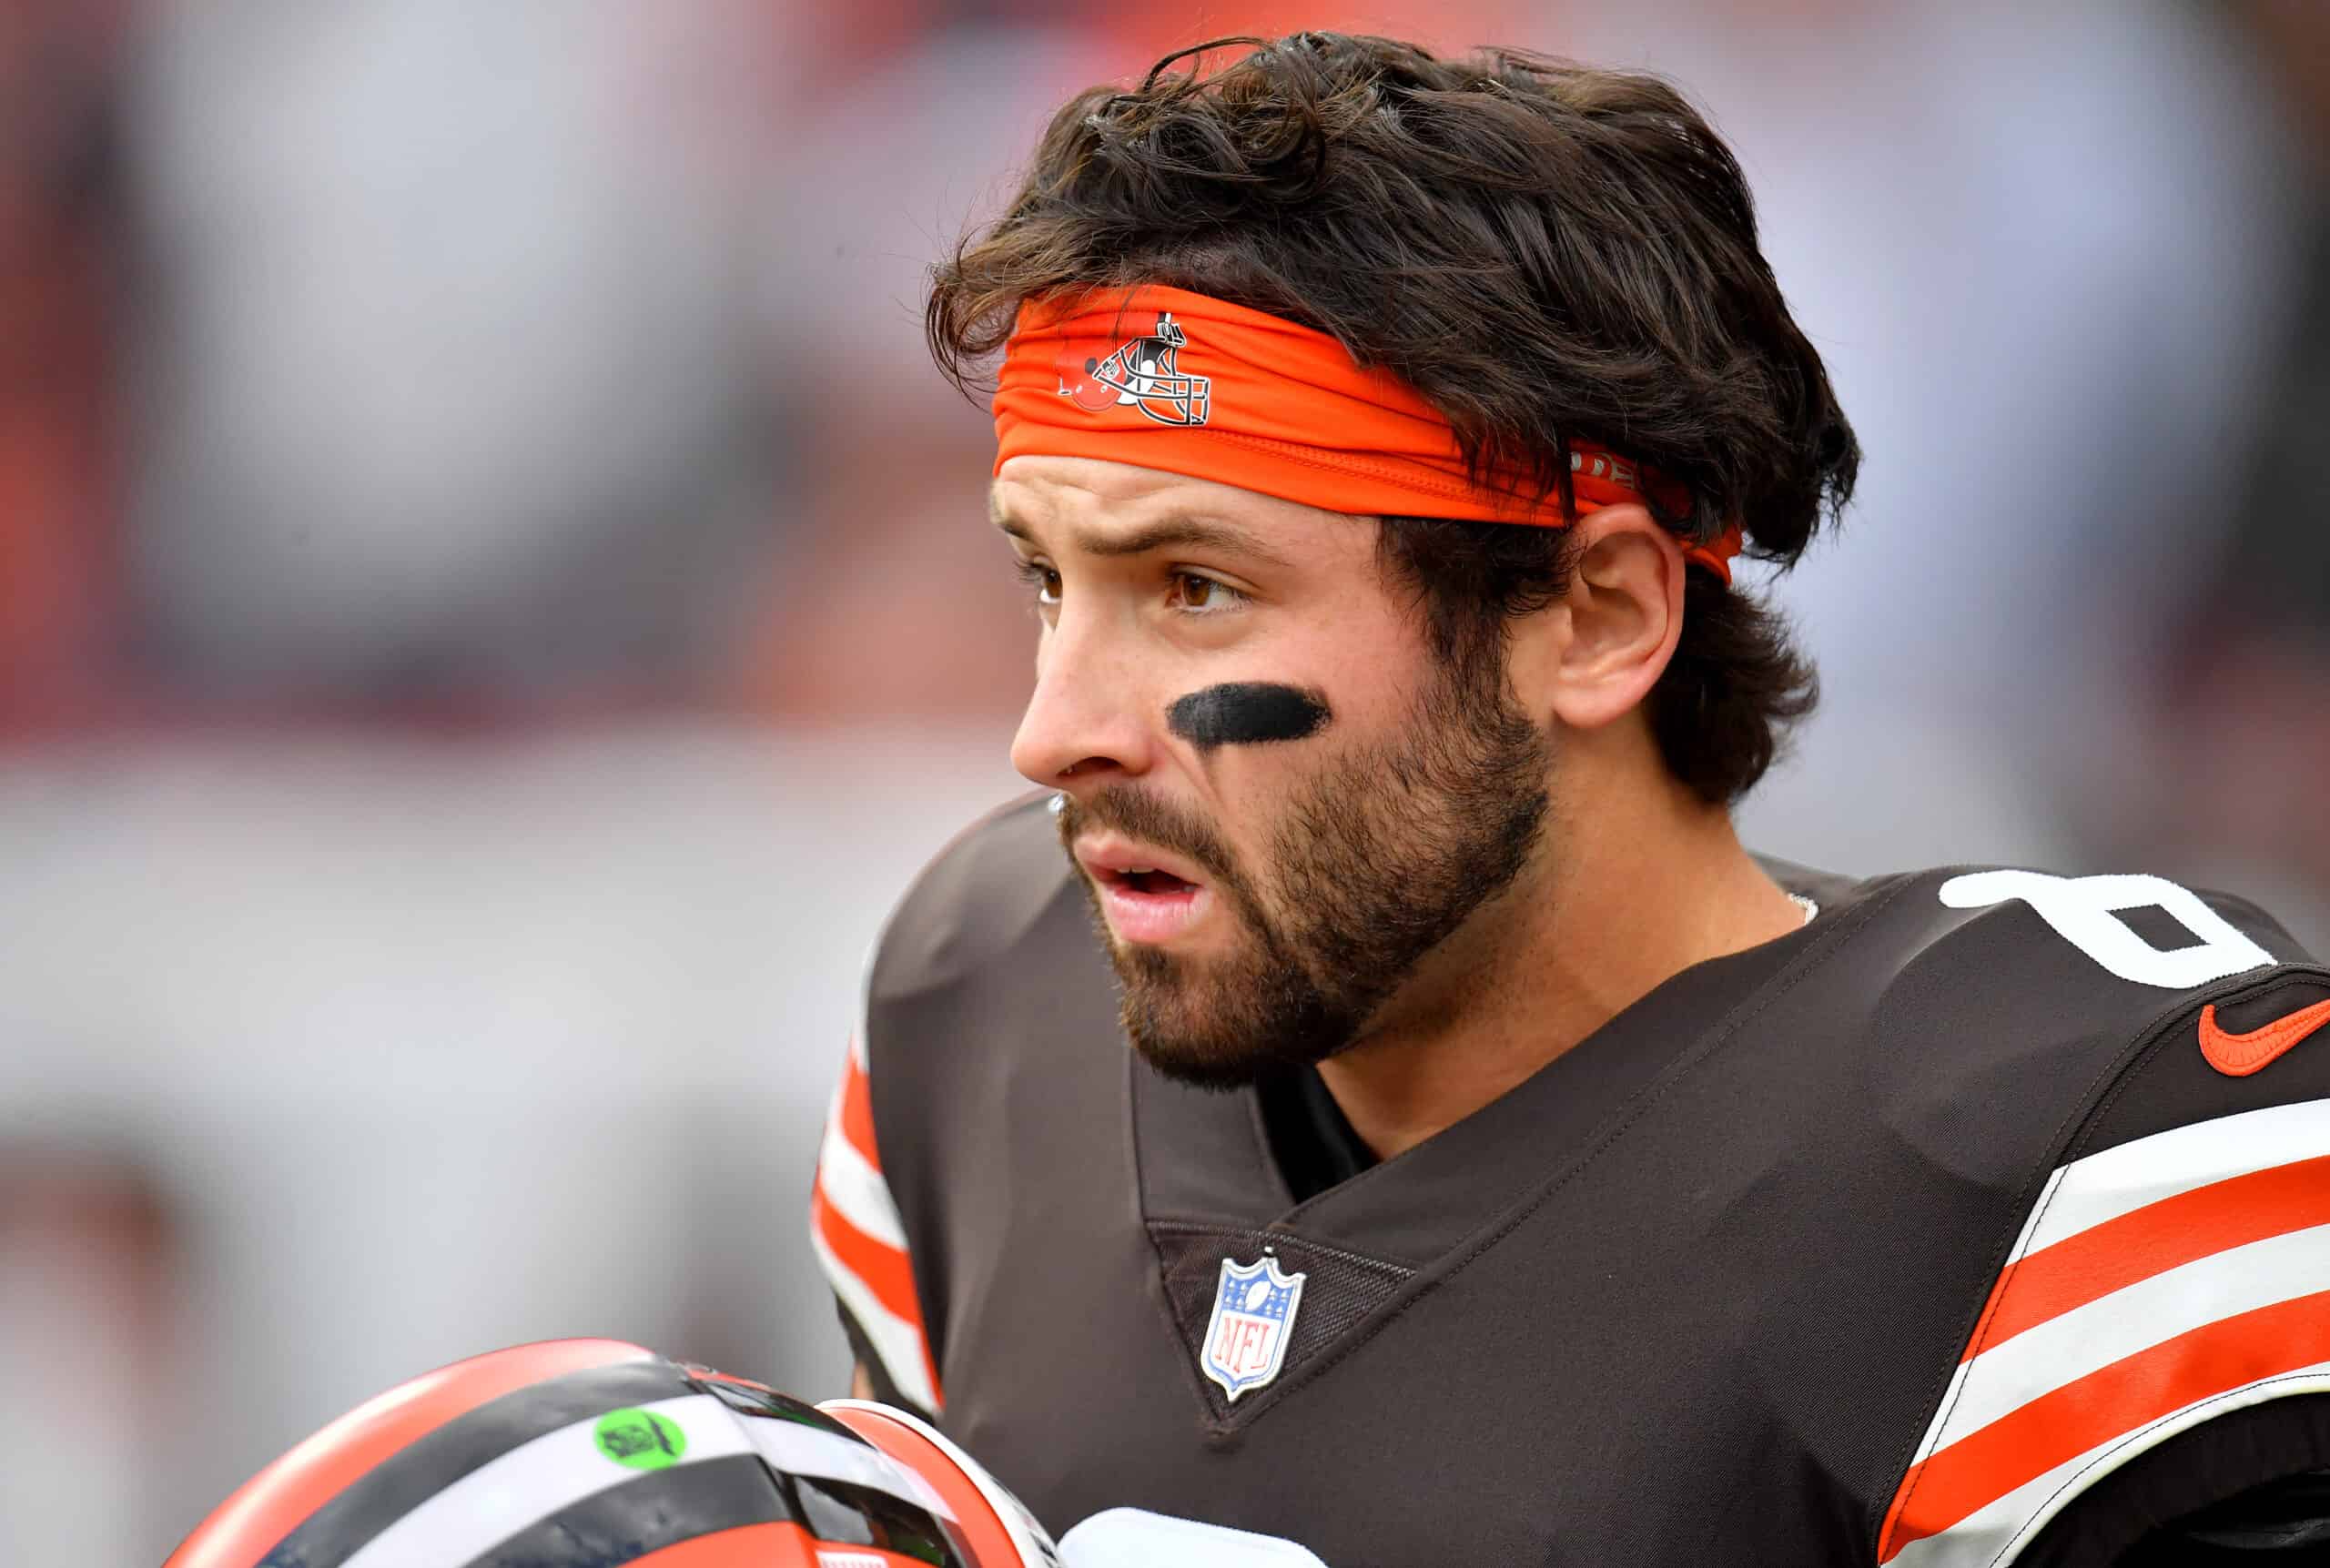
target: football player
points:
(1507, 1165)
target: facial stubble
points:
(1379, 858)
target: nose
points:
(1086, 722)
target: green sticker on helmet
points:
(640, 1438)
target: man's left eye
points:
(1204, 595)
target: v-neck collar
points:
(1205, 1156)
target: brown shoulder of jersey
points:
(987, 967)
(976, 901)
(2169, 1267)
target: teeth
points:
(1138, 870)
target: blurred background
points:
(494, 605)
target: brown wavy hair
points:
(1546, 251)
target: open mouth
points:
(1152, 882)
(1143, 902)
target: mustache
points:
(1138, 815)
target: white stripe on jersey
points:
(1992, 1536)
(896, 1341)
(2128, 1178)
(854, 1186)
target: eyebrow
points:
(1165, 533)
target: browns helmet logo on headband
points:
(1143, 373)
(1299, 419)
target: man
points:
(1508, 1167)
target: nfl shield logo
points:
(1253, 1316)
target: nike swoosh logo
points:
(2238, 1056)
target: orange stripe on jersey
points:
(273, 1503)
(2061, 1425)
(883, 1268)
(2145, 1241)
(858, 1111)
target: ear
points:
(1593, 655)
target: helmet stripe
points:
(619, 1524)
(311, 1473)
(545, 1478)
(408, 1479)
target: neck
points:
(1631, 886)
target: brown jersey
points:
(1971, 1223)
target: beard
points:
(1377, 860)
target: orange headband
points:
(1163, 378)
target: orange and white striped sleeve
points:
(2156, 1285)
(861, 1242)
